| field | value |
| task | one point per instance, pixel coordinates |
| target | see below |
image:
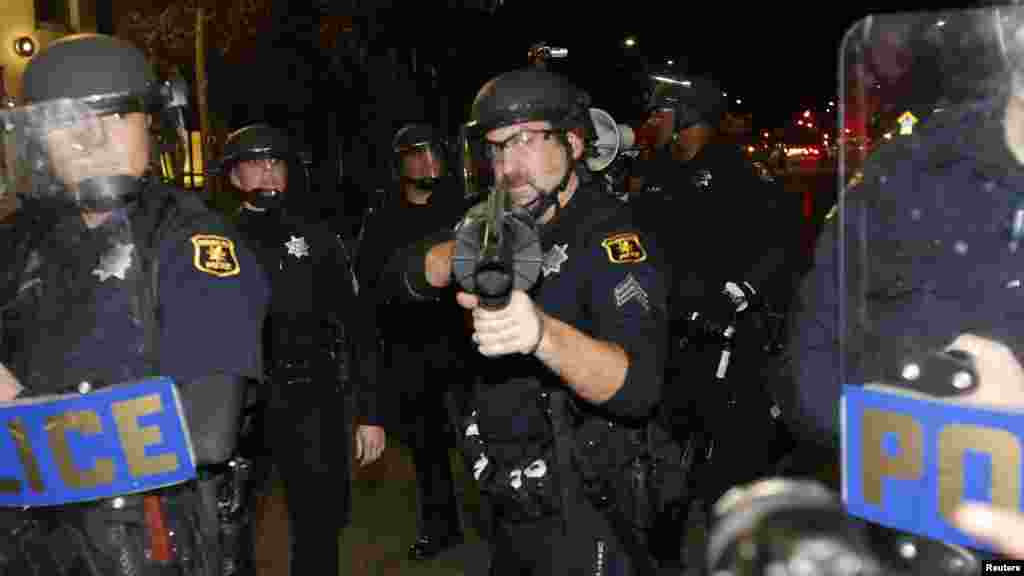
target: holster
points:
(109, 538)
(667, 479)
(617, 469)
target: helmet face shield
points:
(68, 150)
(477, 171)
(690, 99)
(421, 161)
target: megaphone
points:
(612, 140)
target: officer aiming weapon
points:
(497, 250)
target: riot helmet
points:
(531, 95)
(691, 99)
(418, 144)
(79, 138)
(260, 143)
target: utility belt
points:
(133, 535)
(637, 470)
(631, 469)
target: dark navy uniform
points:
(70, 322)
(721, 222)
(717, 200)
(314, 331)
(75, 314)
(934, 211)
(603, 276)
(724, 223)
(424, 348)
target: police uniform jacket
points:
(416, 336)
(313, 305)
(72, 310)
(928, 257)
(600, 275)
(720, 221)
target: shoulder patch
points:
(624, 248)
(215, 255)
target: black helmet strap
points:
(550, 198)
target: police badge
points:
(554, 259)
(297, 247)
(115, 261)
(702, 179)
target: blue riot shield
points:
(124, 439)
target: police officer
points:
(116, 277)
(423, 343)
(728, 304)
(313, 332)
(703, 179)
(575, 365)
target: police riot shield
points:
(931, 282)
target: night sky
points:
(778, 57)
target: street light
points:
(630, 42)
(25, 46)
(671, 62)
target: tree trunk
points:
(202, 93)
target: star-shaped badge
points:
(553, 259)
(702, 179)
(115, 261)
(297, 247)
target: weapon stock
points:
(497, 250)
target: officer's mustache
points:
(519, 180)
(515, 181)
